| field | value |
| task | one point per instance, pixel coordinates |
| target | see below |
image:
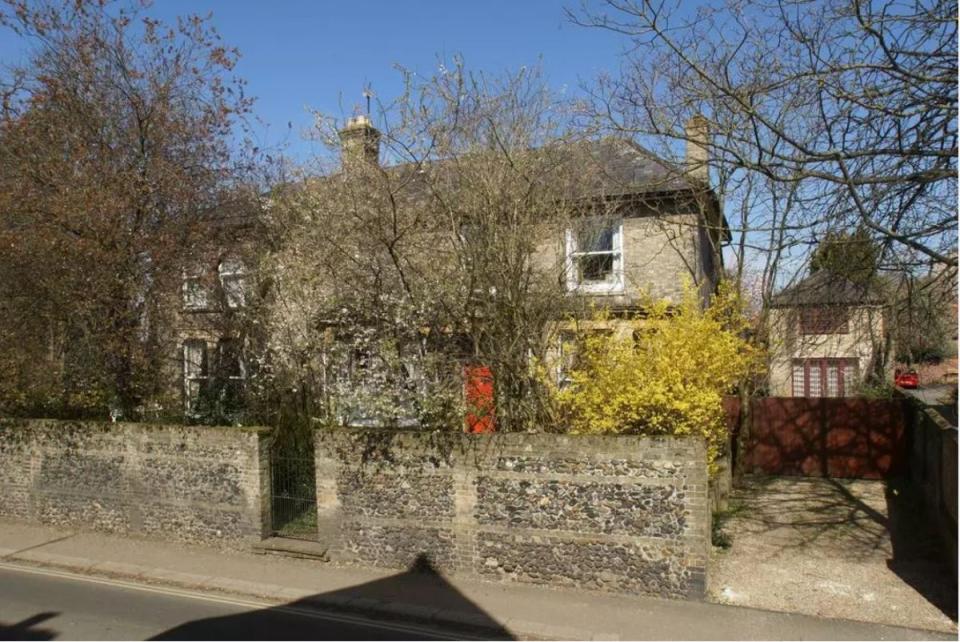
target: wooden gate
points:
(826, 437)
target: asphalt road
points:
(937, 397)
(930, 394)
(46, 605)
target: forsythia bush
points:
(668, 377)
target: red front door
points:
(478, 395)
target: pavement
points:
(419, 597)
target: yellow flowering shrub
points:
(667, 377)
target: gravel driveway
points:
(824, 547)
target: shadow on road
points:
(27, 629)
(273, 623)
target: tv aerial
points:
(368, 94)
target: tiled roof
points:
(826, 288)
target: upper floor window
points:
(594, 256)
(824, 320)
(233, 279)
(196, 295)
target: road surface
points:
(47, 605)
(930, 394)
(937, 397)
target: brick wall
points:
(624, 514)
(183, 483)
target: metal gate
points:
(293, 494)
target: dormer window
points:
(594, 256)
(233, 280)
(196, 295)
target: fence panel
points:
(826, 437)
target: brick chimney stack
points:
(698, 138)
(359, 141)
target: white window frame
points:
(613, 285)
(193, 382)
(194, 293)
(232, 270)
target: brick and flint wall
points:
(202, 484)
(626, 514)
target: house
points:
(656, 227)
(208, 371)
(827, 334)
(659, 227)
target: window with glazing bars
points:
(824, 377)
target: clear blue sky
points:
(302, 53)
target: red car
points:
(909, 379)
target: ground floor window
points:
(569, 350)
(213, 379)
(196, 373)
(566, 357)
(824, 377)
(230, 377)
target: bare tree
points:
(434, 245)
(824, 115)
(115, 146)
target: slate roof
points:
(618, 168)
(626, 167)
(826, 288)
